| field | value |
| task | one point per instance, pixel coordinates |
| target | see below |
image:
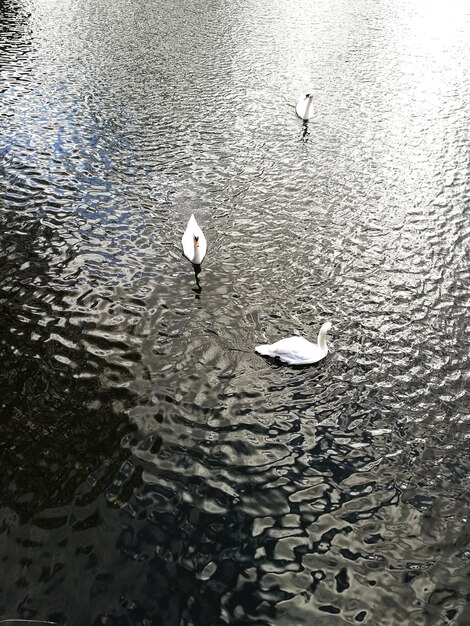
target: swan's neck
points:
(322, 339)
(197, 254)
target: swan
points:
(297, 350)
(304, 108)
(193, 242)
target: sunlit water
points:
(154, 469)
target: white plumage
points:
(193, 242)
(304, 108)
(297, 350)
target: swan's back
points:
(187, 241)
(304, 108)
(293, 350)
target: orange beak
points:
(196, 241)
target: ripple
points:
(155, 468)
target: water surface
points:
(155, 469)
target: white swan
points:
(194, 243)
(304, 108)
(297, 350)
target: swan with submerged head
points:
(304, 108)
(193, 242)
(297, 350)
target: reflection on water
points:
(155, 469)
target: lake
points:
(155, 470)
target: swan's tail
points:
(265, 349)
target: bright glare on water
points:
(155, 470)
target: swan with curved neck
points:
(304, 108)
(297, 350)
(193, 242)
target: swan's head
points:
(196, 241)
(327, 326)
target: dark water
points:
(155, 470)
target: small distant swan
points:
(194, 243)
(297, 350)
(304, 108)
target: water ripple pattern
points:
(155, 469)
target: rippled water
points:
(155, 470)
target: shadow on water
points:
(49, 411)
(276, 361)
(198, 288)
(305, 133)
